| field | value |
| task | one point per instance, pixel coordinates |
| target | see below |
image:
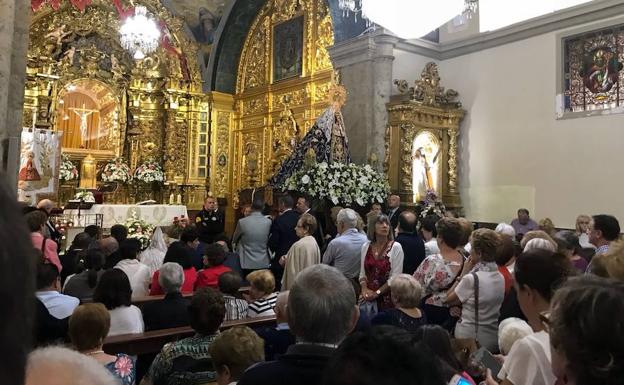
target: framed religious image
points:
(288, 49)
(592, 73)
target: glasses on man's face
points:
(545, 320)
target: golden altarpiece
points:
(81, 81)
(283, 84)
(422, 140)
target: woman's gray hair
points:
(372, 221)
(539, 243)
(567, 240)
(68, 366)
(321, 305)
(406, 291)
(504, 228)
(511, 330)
(171, 277)
(348, 217)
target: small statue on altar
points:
(327, 138)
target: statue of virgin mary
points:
(327, 138)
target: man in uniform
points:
(210, 221)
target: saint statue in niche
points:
(327, 139)
(425, 165)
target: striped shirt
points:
(262, 307)
(235, 308)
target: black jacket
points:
(170, 312)
(413, 251)
(283, 233)
(394, 219)
(276, 342)
(303, 364)
(209, 224)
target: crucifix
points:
(83, 113)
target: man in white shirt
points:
(59, 305)
(138, 273)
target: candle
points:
(179, 199)
(171, 198)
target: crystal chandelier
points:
(409, 19)
(139, 34)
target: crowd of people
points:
(390, 297)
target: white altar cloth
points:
(157, 215)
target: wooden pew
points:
(142, 301)
(153, 341)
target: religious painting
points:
(593, 76)
(40, 157)
(426, 156)
(288, 49)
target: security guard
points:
(210, 221)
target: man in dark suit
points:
(283, 235)
(413, 245)
(277, 338)
(303, 206)
(321, 311)
(394, 210)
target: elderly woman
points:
(261, 297)
(582, 226)
(586, 341)
(538, 234)
(171, 311)
(114, 292)
(88, 326)
(406, 293)
(233, 351)
(303, 253)
(381, 259)
(569, 245)
(480, 290)
(439, 272)
(182, 254)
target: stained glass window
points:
(592, 69)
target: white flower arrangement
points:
(116, 170)
(85, 196)
(149, 171)
(345, 184)
(432, 206)
(140, 230)
(68, 170)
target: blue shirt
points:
(345, 252)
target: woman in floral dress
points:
(382, 258)
(438, 272)
(88, 326)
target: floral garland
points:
(149, 171)
(341, 183)
(68, 170)
(140, 230)
(85, 196)
(116, 170)
(432, 205)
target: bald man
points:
(278, 338)
(413, 245)
(394, 210)
(49, 231)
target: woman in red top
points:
(214, 255)
(506, 255)
(181, 254)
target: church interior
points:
(166, 115)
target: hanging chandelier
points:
(408, 19)
(139, 33)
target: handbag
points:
(465, 347)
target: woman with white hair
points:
(511, 330)
(506, 229)
(406, 294)
(539, 243)
(171, 311)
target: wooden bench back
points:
(153, 341)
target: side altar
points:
(157, 215)
(422, 140)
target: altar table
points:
(157, 215)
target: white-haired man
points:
(171, 311)
(344, 252)
(322, 310)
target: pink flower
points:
(123, 366)
(439, 276)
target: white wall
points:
(514, 153)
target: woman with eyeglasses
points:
(538, 273)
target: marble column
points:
(365, 65)
(14, 23)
